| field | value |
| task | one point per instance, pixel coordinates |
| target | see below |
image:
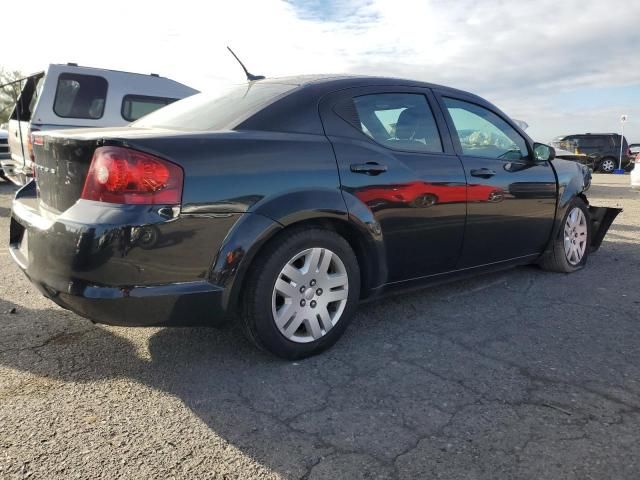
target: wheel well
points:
(583, 197)
(350, 233)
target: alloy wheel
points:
(575, 236)
(310, 295)
(608, 165)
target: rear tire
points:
(608, 165)
(301, 293)
(570, 249)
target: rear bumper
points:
(178, 304)
(120, 265)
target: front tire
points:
(570, 248)
(302, 293)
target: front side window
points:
(137, 106)
(80, 96)
(482, 133)
(402, 121)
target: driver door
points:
(511, 199)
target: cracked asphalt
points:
(522, 374)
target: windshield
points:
(219, 111)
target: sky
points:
(569, 66)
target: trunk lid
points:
(63, 158)
(61, 168)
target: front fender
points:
(574, 180)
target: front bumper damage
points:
(601, 220)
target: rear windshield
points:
(220, 111)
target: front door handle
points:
(483, 173)
(369, 168)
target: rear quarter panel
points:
(237, 172)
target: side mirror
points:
(543, 153)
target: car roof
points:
(297, 111)
(331, 82)
(592, 135)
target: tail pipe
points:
(601, 220)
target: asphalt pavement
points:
(522, 374)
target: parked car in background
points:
(285, 202)
(70, 96)
(575, 157)
(634, 149)
(602, 149)
(4, 150)
(635, 173)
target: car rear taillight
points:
(122, 175)
(37, 139)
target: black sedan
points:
(285, 202)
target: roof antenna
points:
(250, 76)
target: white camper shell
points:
(69, 96)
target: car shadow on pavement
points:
(470, 377)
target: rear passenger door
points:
(511, 198)
(395, 156)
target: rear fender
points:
(352, 218)
(246, 238)
(269, 217)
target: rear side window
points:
(402, 121)
(593, 142)
(80, 96)
(482, 133)
(137, 106)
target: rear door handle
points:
(483, 173)
(369, 168)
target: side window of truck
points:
(137, 106)
(80, 96)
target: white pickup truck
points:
(4, 150)
(70, 96)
